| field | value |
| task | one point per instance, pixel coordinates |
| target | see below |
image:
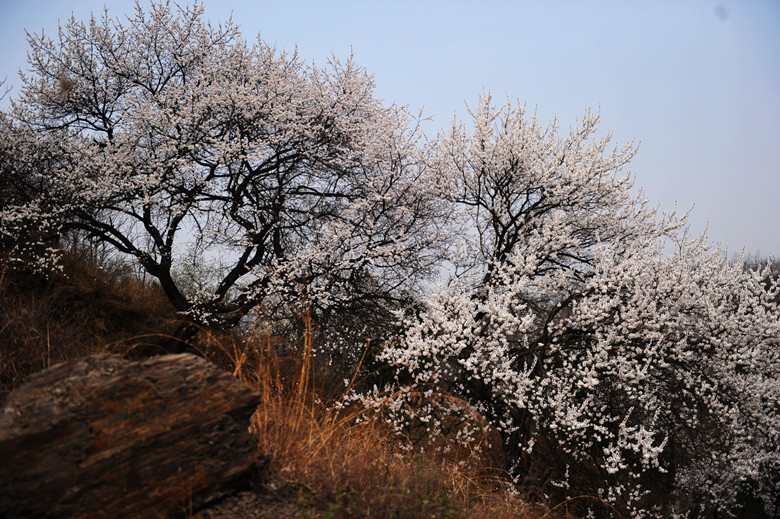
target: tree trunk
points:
(179, 342)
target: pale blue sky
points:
(696, 82)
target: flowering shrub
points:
(606, 364)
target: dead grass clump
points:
(80, 311)
(336, 466)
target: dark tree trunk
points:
(179, 342)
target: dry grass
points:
(334, 466)
(83, 310)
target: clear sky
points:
(695, 82)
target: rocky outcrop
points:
(105, 437)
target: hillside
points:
(323, 464)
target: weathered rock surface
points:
(105, 437)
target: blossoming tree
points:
(173, 139)
(607, 364)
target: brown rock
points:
(105, 437)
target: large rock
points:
(105, 437)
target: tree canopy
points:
(175, 139)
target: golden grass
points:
(332, 464)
